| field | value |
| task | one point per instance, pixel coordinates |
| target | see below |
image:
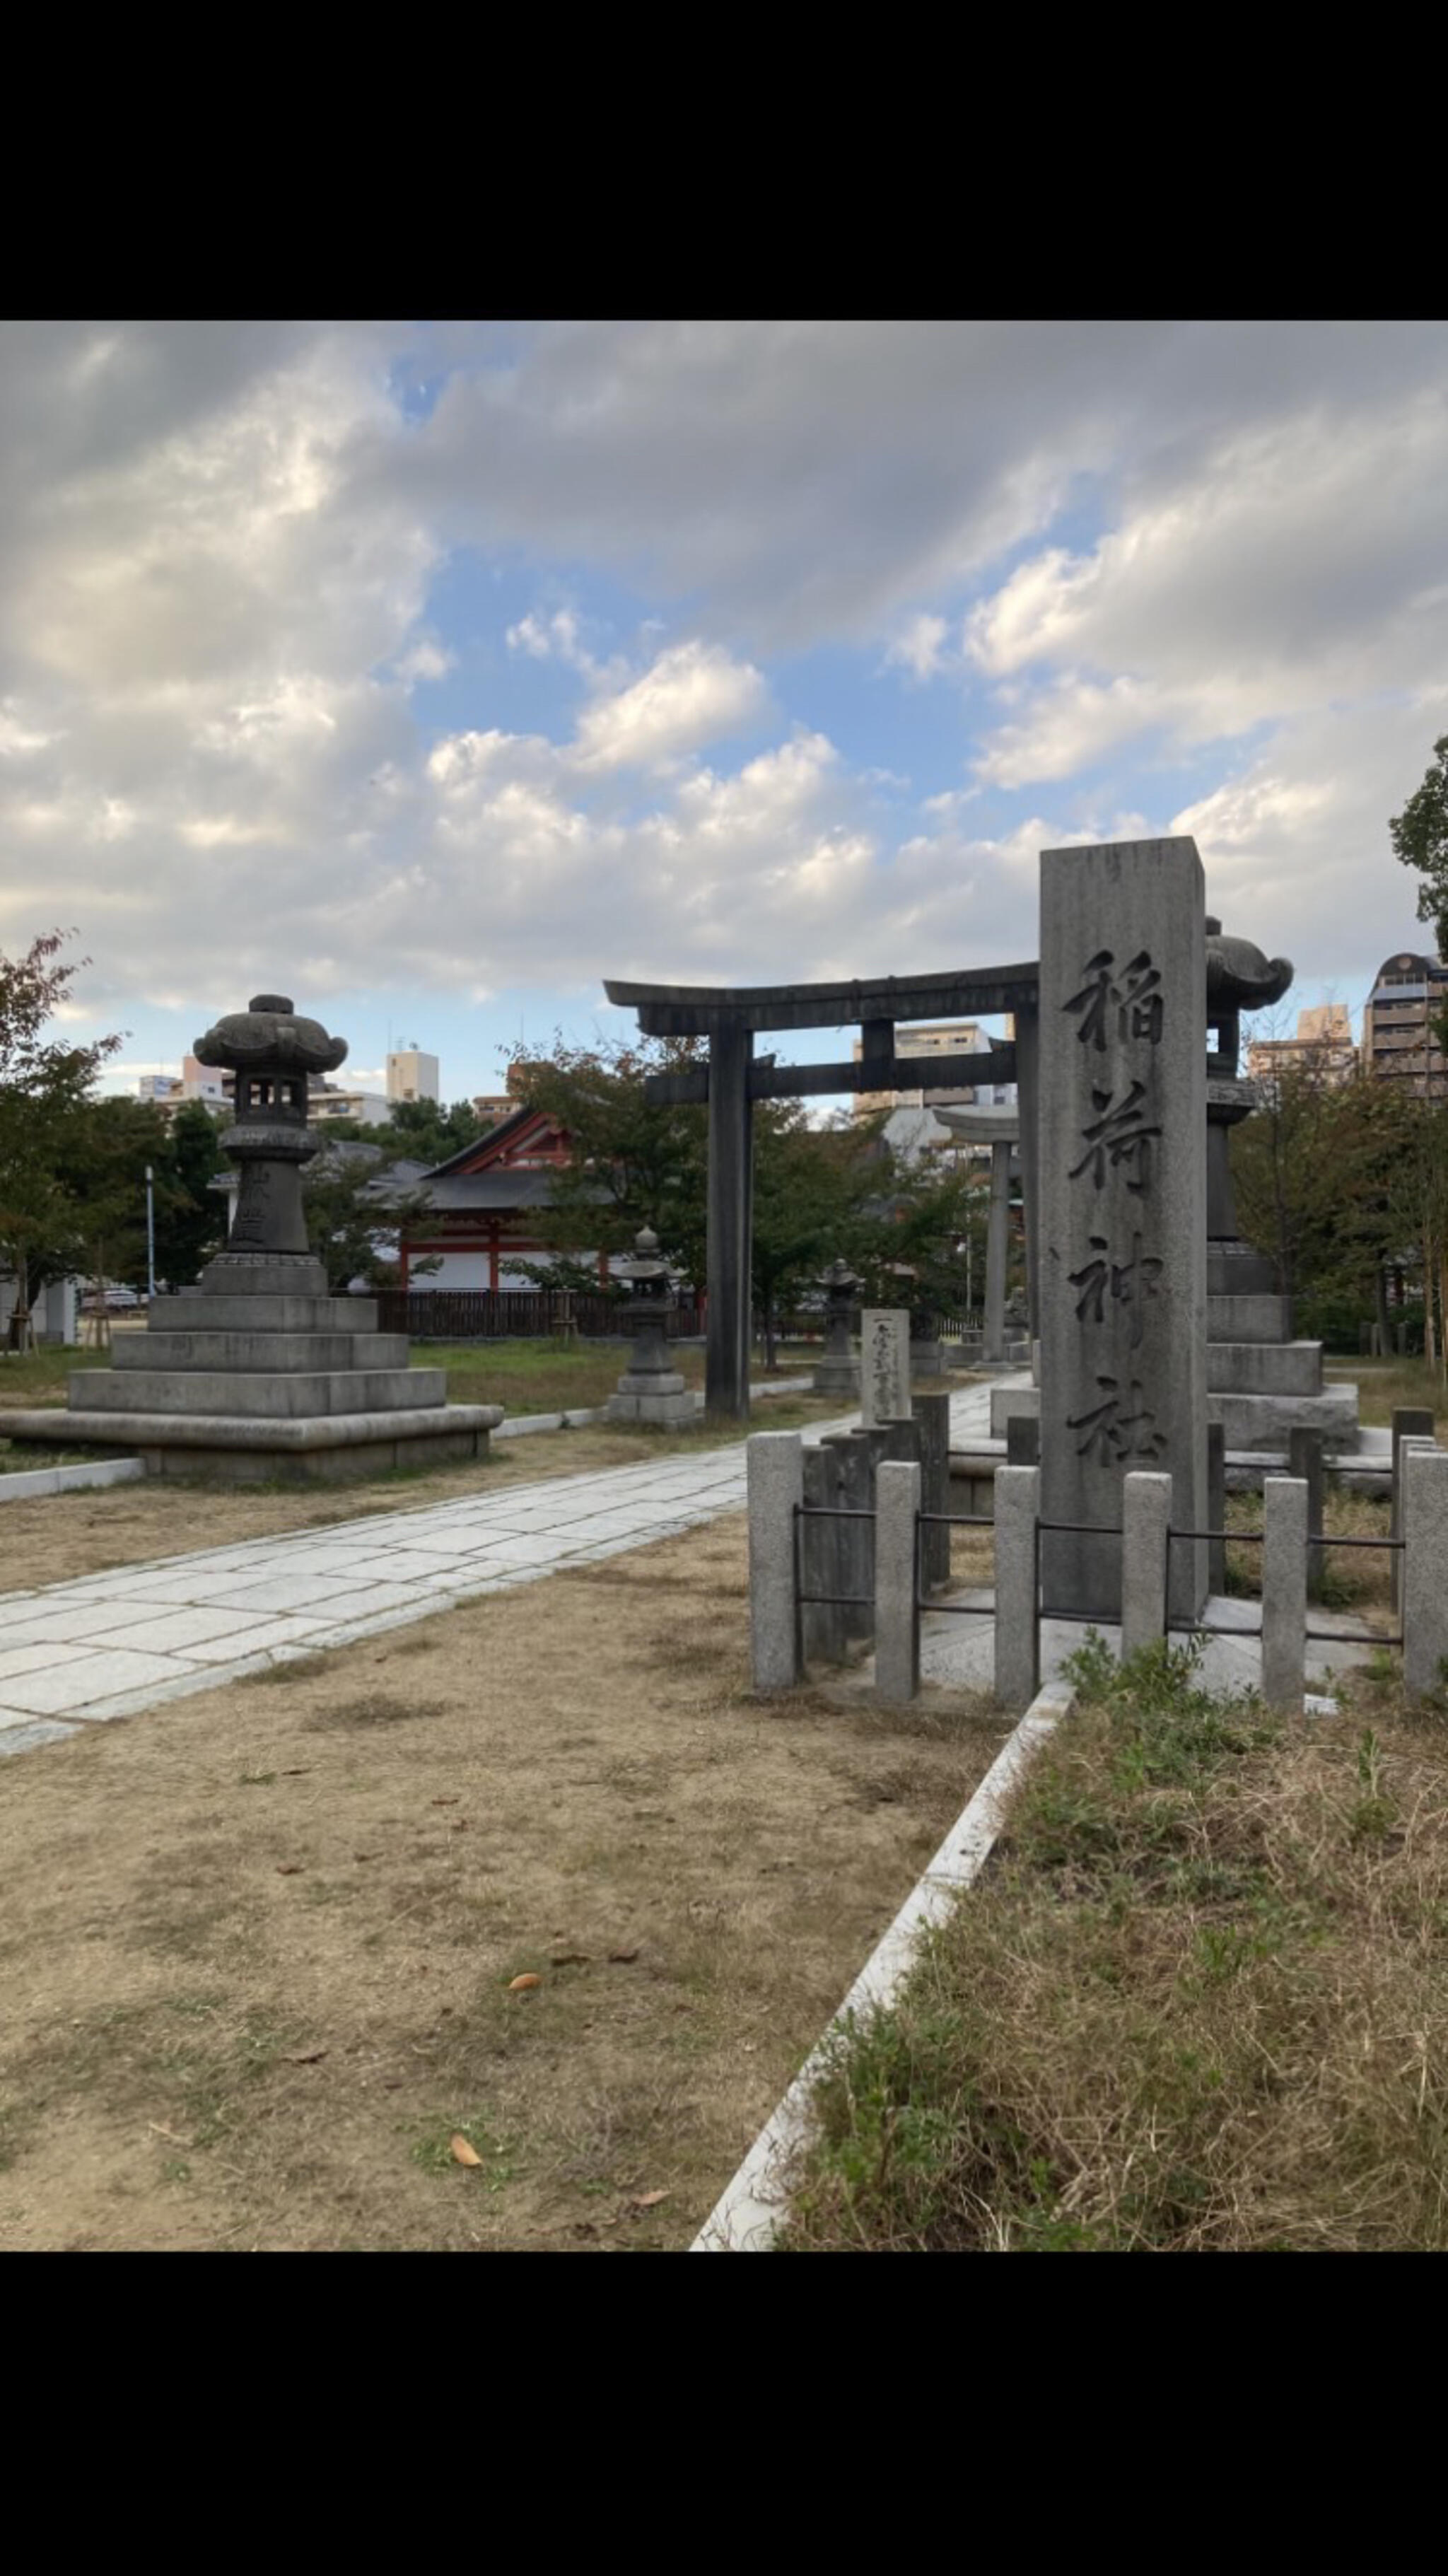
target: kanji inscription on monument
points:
(1123, 1208)
(884, 1365)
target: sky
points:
(431, 672)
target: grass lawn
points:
(1382, 1384)
(260, 1945)
(1197, 2003)
(523, 1376)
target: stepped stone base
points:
(1264, 1368)
(262, 1375)
(657, 1395)
(1249, 1319)
(321, 1450)
(837, 1377)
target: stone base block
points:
(1010, 1402)
(324, 1449)
(286, 1354)
(651, 1382)
(256, 1395)
(264, 1274)
(676, 1412)
(1268, 1421)
(202, 1312)
(1264, 1368)
(836, 1377)
(1249, 1319)
(1235, 1270)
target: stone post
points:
(838, 1372)
(1122, 1188)
(931, 1413)
(856, 1545)
(1284, 1592)
(1146, 1515)
(1216, 1506)
(884, 1365)
(1410, 1422)
(821, 1560)
(1017, 1624)
(897, 1620)
(1023, 1440)
(997, 1252)
(775, 1484)
(1425, 1566)
(1304, 1459)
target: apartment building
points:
(1399, 1041)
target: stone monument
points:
(1262, 1385)
(260, 1373)
(651, 1388)
(1123, 1070)
(884, 1365)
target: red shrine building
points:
(484, 1208)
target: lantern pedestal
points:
(259, 1374)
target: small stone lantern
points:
(273, 1053)
(650, 1390)
(839, 1371)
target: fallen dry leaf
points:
(307, 2057)
(445, 1802)
(289, 1869)
(623, 1958)
(364, 1855)
(520, 1985)
(299, 1771)
(568, 1958)
(650, 2199)
(462, 2152)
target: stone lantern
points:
(272, 1053)
(651, 1389)
(839, 1371)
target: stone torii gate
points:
(732, 1081)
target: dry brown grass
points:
(257, 1944)
(1198, 2003)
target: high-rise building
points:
(1399, 1040)
(953, 1037)
(1323, 1046)
(412, 1075)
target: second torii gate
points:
(732, 1081)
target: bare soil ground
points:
(258, 1945)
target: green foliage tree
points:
(45, 1086)
(1420, 840)
(355, 1214)
(1338, 1183)
(422, 1131)
(633, 1164)
(190, 1215)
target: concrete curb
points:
(747, 2216)
(518, 1425)
(65, 1480)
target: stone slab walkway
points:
(110, 1645)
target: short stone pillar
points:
(1284, 1592)
(931, 1414)
(855, 1493)
(1122, 1187)
(821, 1560)
(1425, 1566)
(651, 1388)
(884, 1365)
(1146, 1518)
(839, 1371)
(1023, 1440)
(774, 1480)
(1410, 1422)
(1017, 1622)
(897, 1618)
(1216, 1506)
(1304, 1459)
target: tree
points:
(1420, 840)
(190, 1215)
(423, 1131)
(356, 1213)
(44, 1088)
(633, 1164)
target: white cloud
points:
(691, 695)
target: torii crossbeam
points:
(731, 1081)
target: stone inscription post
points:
(884, 1365)
(1122, 1193)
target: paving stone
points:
(21, 1734)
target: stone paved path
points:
(111, 1644)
